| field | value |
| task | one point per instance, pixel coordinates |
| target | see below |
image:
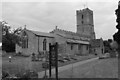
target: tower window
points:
(82, 22)
(82, 16)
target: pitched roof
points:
(77, 41)
(43, 34)
(70, 35)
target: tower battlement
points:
(85, 24)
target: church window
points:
(24, 40)
(82, 16)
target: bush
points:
(27, 74)
(30, 74)
(5, 74)
(21, 54)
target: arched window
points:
(82, 16)
(71, 46)
(82, 22)
(24, 40)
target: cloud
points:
(59, 0)
(44, 16)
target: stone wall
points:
(34, 46)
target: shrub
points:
(5, 74)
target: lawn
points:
(21, 64)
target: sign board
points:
(53, 58)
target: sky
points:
(44, 15)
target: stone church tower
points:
(85, 24)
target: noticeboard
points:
(53, 58)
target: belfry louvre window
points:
(24, 40)
(82, 22)
(82, 16)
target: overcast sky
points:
(44, 15)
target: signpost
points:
(44, 49)
(53, 59)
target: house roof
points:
(70, 35)
(42, 34)
(77, 41)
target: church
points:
(69, 43)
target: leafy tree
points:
(116, 36)
(107, 46)
(9, 37)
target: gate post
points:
(53, 59)
(49, 60)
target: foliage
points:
(9, 37)
(5, 74)
(27, 74)
(116, 36)
(107, 46)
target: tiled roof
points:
(42, 33)
(69, 34)
(77, 41)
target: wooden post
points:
(49, 60)
(56, 54)
(44, 49)
(53, 59)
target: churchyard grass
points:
(20, 64)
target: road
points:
(104, 68)
(66, 67)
